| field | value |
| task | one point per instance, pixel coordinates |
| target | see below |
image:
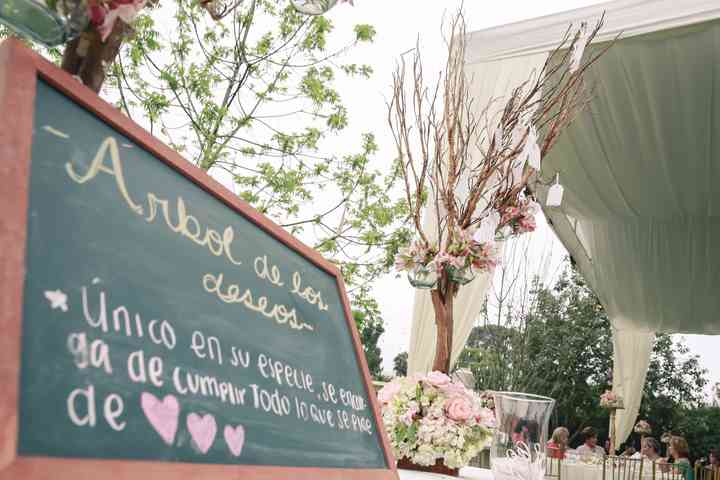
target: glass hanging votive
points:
(50, 22)
(462, 275)
(423, 277)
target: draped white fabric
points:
(491, 80)
(641, 211)
(631, 357)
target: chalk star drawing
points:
(57, 299)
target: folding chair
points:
(553, 468)
(672, 471)
(706, 473)
(622, 468)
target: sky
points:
(399, 24)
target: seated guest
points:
(710, 463)
(558, 443)
(629, 452)
(520, 432)
(713, 460)
(590, 447)
(650, 449)
(680, 453)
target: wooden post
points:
(443, 299)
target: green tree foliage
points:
(400, 364)
(370, 327)
(701, 427)
(562, 347)
(254, 100)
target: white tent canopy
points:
(641, 169)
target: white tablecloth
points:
(584, 471)
(468, 473)
(581, 471)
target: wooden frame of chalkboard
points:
(20, 69)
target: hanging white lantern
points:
(555, 193)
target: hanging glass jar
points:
(504, 233)
(50, 22)
(313, 7)
(423, 277)
(461, 276)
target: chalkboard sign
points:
(161, 324)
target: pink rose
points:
(388, 392)
(455, 389)
(437, 379)
(459, 409)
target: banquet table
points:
(467, 473)
(585, 471)
(570, 471)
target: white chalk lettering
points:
(269, 273)
(97, 355)
(280, 313)
(198, 344)
(89, 417)
(207, 386)
(239, 358)
(284, 374)
(112, 413)
(271, 402)
(309, 294)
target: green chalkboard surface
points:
(160, 324)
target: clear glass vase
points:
(461, 276)
(423, 277)
(50, 22)
(518, 447)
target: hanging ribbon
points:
(578, 49)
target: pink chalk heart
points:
(163, 416)
(235, 438)
(203, 430)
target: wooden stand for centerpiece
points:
(439, 467)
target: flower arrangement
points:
(521, 218)
(104, 13)
(472, 249)
(414, 255)
(611, 400)
(463, 252)
(430, 418)
(643, 428)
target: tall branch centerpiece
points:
(473, 167)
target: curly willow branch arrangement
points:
(471, 168)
